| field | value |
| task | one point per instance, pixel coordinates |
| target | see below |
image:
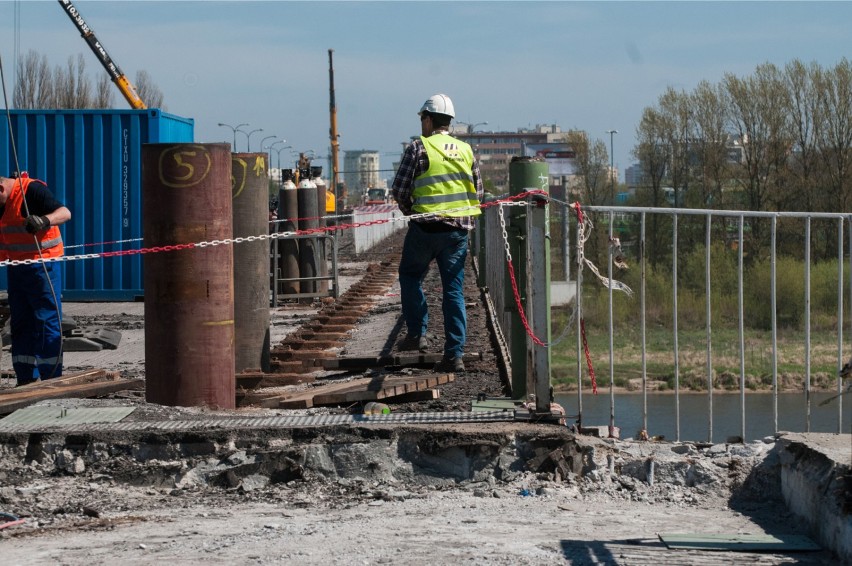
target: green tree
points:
(70, 86)
(834, 133)
(710, 141)
(653, 152)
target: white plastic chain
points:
(211, 243)
(503, 226)
(618, 257)
(568, 326)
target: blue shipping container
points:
(91, 160)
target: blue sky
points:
(588, 65)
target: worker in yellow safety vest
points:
(438, 182)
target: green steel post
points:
(525, 173)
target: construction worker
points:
(29, 216)
(438, 180)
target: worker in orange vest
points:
(29, 220)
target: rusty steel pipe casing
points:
(250, 190)
(189, 293)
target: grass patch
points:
(692, 359)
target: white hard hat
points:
(438, 104)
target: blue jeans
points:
(36, 321)
(449, 250)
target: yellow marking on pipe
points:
(218, 323)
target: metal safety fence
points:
(653, 243)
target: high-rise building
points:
(361, 172)
(633, 176)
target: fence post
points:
(538, 283)
(524, 173)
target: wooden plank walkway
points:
(89, 383)
(404, 389)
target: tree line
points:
(778, 139)
(40, 86)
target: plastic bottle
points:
(373, 408)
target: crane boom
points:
(117, 76)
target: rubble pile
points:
(65, 484)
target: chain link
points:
(505, 234)
(262, 237)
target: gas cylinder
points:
(288, 249)
(322, 210)
(309, 256)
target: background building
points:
(495, 150)
(361, 172)
(633, 176)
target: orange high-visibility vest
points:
(15, 242)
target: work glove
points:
(37, 223)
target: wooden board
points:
(23, 397)
(365, 389)
(86, 376)
(256, 380)
(381, 388)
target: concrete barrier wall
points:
(367, 236)
(815, 483)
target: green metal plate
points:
(750, 543)
(55, 415)
(493, 405)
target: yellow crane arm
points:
(118, 77)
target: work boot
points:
(450, 365)
(411, 343)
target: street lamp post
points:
(248, 138)
(611, 166)
(266, 138)
(271, 147)
(234, 129)
(278, 152)
(470, 127)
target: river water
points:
(759, 420)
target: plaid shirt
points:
(414, 162)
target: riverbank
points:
(662, 387)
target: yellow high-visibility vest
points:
(446, 188)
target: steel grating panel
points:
(62, 416)
(278, 421)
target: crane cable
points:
(27, 210)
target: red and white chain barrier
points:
(229, 241)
